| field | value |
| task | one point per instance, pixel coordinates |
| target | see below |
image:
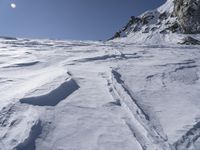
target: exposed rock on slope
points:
(177, 17)
(188, 15)
(150, 21)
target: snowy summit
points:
(138, 91)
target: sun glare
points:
(13, 5)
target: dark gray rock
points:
(188, 15)
(172, 27)
(133, 24)
(163, 16)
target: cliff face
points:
(188, 15)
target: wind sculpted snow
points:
(65, 95)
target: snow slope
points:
(136, 92)
(75, 95)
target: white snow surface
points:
(168, 6)
(75, 95)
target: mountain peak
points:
(168, 6)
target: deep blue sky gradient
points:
(69, 19)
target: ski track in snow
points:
(65, 95)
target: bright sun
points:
(13, 5)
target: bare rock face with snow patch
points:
(168, 23)
(188, 15)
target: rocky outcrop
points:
(188, 15)
(134, 25)
(174, 17)
(142, 23)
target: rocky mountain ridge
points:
(175, 16)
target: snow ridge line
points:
(55, 96)
(52, 98)
(117, 56)
(29, 142)
(188, 140)
(117, 77)
(11, 119)
(25, 64)
(148, 137)
(134, 126)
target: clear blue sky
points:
(69, 19)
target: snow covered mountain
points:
(177, 21)
(137, 92)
